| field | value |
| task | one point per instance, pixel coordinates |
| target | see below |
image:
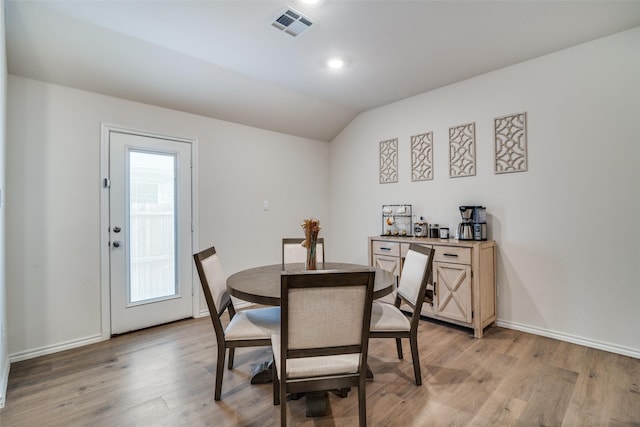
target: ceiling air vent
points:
(292, 22)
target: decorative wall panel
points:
(422, 157)
(511, 143)
(462, 150)
(389, 161)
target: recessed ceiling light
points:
(310, 2)
(335, 63)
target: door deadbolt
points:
(116, 229)
(116, 244)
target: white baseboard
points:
(4, 380)
(574, 339)
(42, 351)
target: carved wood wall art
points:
(511, 143)
(389, 161)
(422, 157)
(462, 150)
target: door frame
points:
(105, 282)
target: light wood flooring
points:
(164, 376)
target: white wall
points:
(53, 191)
(568, 244)
(4, 355)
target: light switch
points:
(265, 205)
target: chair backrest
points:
(416, 272)
(325, 312)
(293, 251)
(214, 286)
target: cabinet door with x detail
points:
(453, 291)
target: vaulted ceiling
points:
(224, 59)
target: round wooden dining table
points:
(262, 284)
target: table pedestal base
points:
(316, 403)
(262, 373)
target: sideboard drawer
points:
(452, 254)
(380, 247)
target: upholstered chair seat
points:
(253, 324)
(387, 317)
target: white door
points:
(149, 231)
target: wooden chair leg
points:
(219, 372)
(362, 404)
(416, 359)
(275, 385)
(399, 347)
(231, 354)
(283, 402)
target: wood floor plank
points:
(591, 390)
(499, 410)
(623, 392)
(164, 376)
(548, 403)
(471, 395)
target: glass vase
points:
(311, 256)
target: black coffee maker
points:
(465, 228)
(474, 223)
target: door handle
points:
(117, 243)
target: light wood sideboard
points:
(463, 289)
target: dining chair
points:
(246, 328)
(294, 252)
(324, 334)
(388, 321)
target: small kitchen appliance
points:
(465, 228)
(479, 223)
(420, 228)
